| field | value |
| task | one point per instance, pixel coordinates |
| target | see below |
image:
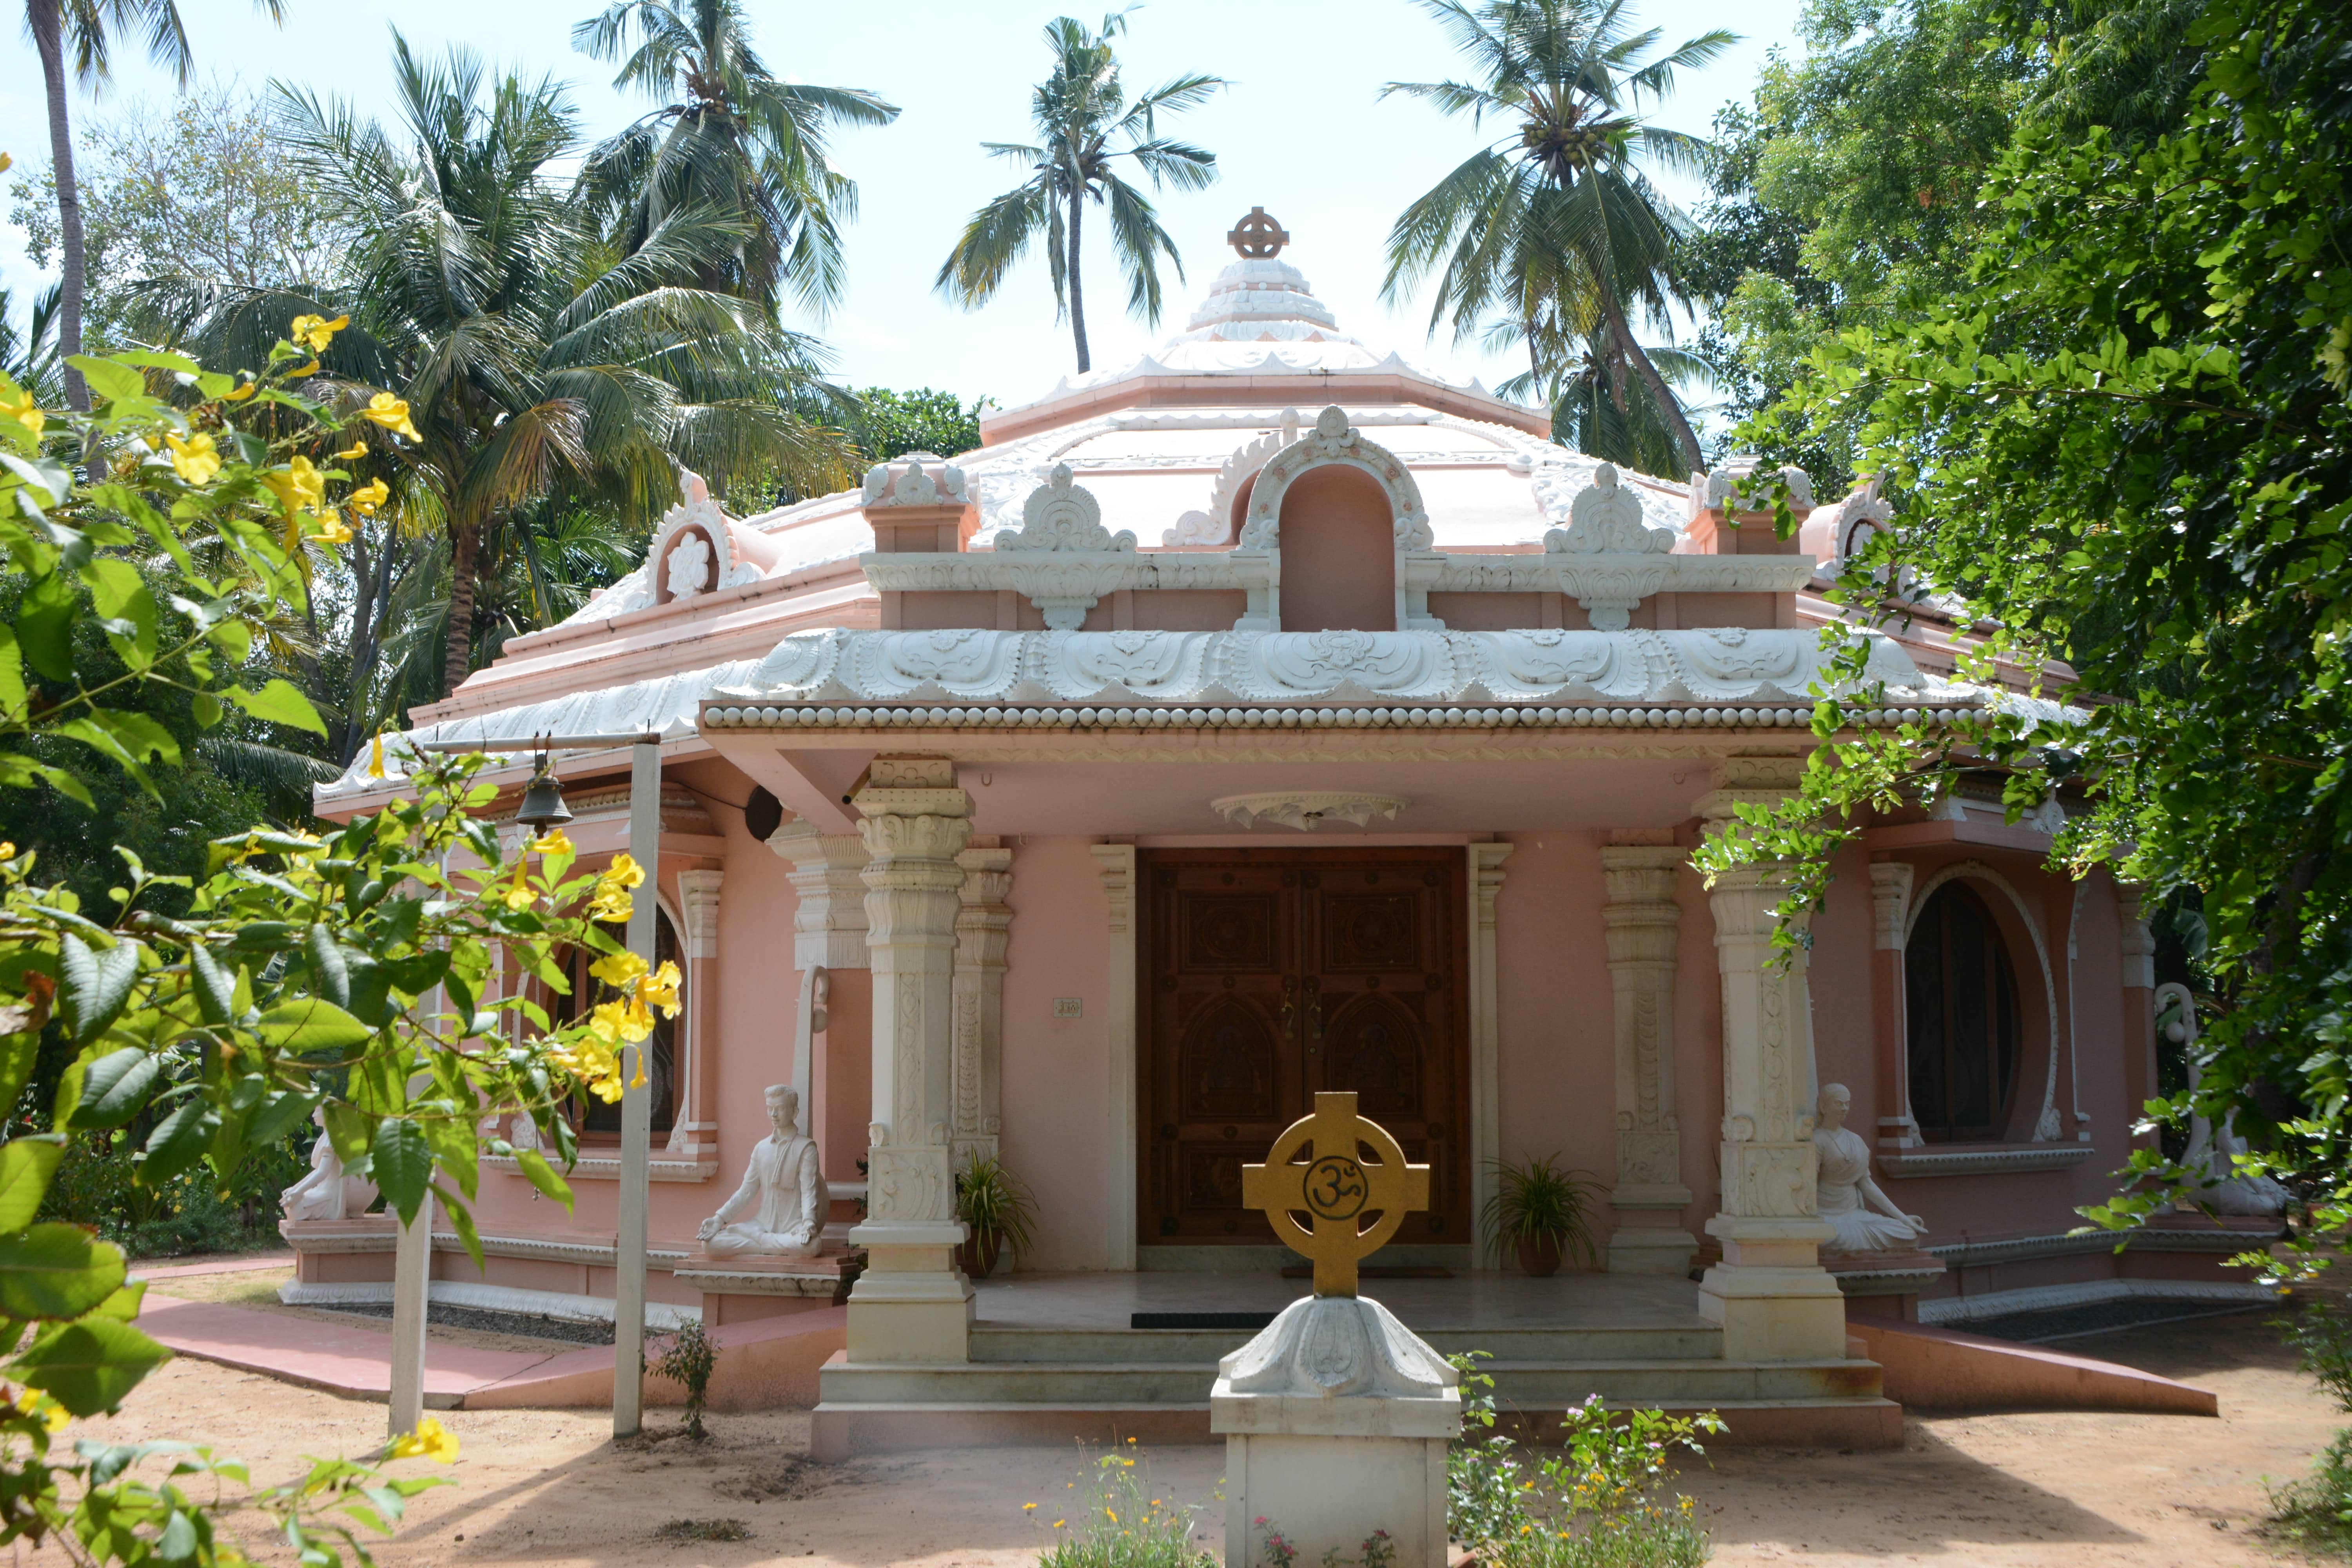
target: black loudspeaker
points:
(763, 815)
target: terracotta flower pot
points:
(1539, 1256)
(977, 1255)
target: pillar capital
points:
(829, 917)
(1890, 902)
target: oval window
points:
(1962, 993)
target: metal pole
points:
(636, 1109)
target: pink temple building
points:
(1274, 714)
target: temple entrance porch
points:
(1056, 1356)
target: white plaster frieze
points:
(1307, 809)
(1733, 665)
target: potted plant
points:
(999, 1209)
(1542, 1213)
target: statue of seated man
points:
(1863, 1218)
(327, 1192)
(783, 1180)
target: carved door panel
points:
(1271, 975)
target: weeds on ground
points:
(1119, 1518)
(687, 1359)
(1603, 1501)
(2316, 1512)
(705, 1530)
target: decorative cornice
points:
(1931, 1161)
(1163, 669)
(2025, 1248)
(1307, 809)
(607, 1168)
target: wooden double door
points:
(1271, 975)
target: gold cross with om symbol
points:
(1334, 1189)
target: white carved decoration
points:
(1735, 486)
(1864, 512)
(687, 566)
(1213, 525)
(2213, 1150)
(915, 478)
(1060, 515)
(1307, 809)
(1862, 1217)
(1334, 440)
(693, 552)
(1606, 519)
(783, 1189)
(1729, 665)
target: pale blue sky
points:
(1302, 134)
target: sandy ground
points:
(551, 1488)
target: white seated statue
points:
(326, 1192)
(1863, 1218)
(783, 1182)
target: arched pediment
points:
(1334, 440)
(695, 550)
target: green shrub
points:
(2316, 1511)
(1603, 1501)
(687, 1359)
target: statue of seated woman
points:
(784, 1188)
(326, 1192)
(1863, 1218)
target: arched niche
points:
(1339, 557)
(2033, 1116)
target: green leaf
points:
(25, 1166)
(351, 1132)
(56, 1270)
(124, 1303)
(327, 965)
(277, 702)
(400, 1164)
(48, 476)
(542, 1175)
(178, 1142)
(216, 991)
(107, 379)
(280, 1114)
(13, 706)
(114, 1088)
(88, 1366)
(461, 1220)
(94, 984)
(312, 1024)
(45, 626)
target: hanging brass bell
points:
(542, 804)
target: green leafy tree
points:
(730, 137)
(1557, 214)
(886, 424)
(533, 360)
(1084, 125)
(195, 195)
(2127, 440)
(350, 975)
(83, 26)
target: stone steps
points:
(1206, 1347)
(1547, 1384)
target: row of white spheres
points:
(1298, 718)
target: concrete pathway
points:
(353, 1362)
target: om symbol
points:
(1336, 1187)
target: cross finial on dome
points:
(1257, 236)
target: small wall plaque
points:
(1069, 1008)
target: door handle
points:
(1289, 1014)
(1314, 1016)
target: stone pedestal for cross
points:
(1337, 1416)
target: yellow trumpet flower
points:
(369, 497)
(299, 486)
(196, 459)
(358, 448)
(242, 393)
(618, 969)
(317, 332)
(331, 531)
(552, 842)
(390, 412)
(26, 412)
(431, 1440)
(659, 989)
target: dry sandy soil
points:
(2070, 1489)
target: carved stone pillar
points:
(695, 1131)
(829, 950)
(1642, 923)
(1770, 1293)
(1115, 863)
(1890, 1003)
(912, 1303)
(2140, 1010)
(984, 929)
(1485, 1036)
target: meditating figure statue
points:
(326, 1192)
(1863, 1218)
(784, 1180)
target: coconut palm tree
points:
(535, 357)
(84, 24)
(1558, 203)
(727, 135)
(1598, 406)
(1082, 123)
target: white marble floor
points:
(1470, 1301)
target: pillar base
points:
(912, 1303)
(1642, 1250)
(1770, 1295)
